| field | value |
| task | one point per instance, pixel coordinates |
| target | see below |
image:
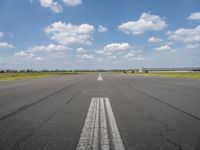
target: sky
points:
(99, 34)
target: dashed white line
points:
(99, 78)
(94, 135)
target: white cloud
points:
(80, 50)
(72, 2)
(69, 34)
(102, 29)
(23, 54)
(193, 46)
(119, 51)
(99, 52)
(39, 58)
(163, 48)
(154, 40)
(51, 49)
(168, 32)
(194, 16)
(145, 23)
(170, 43)
(138, 58)
(86, 56)
(187, 35)
(1, 34)
(6, 45)
(114, 47)
(53, 5)
(48, 48)
(129, 55)
(109, 49)
(133, 55)
(112, 57)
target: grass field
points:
(27, 75)
(187, 75)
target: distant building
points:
(141, 69)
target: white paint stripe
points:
(100, 78)
(94, 134)
(103, 127)
(85, 141)
(96, 129)
(116, 138)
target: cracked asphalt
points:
(152, 113)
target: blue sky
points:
(99, 34)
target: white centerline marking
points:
(96, 128)
(94, 135)
(103, 127)
(85, 141)
(99, 78)
(116, 138)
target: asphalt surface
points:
(151, 113)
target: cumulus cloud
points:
(109, 49)
(146, 22)
(186, 35)
(72, 2)
(99, 52)
(80, 50)
(24, 54)
(154, 40)
(114, 47)
(39, 58)
(48, 48)
(119, 51)
(102, 29)
(6, 45)
(194, 16)
(86, 56)
(68, 34)
(193, 46)
(129, 54)
(51, 4)
(1, 34)
(133, 55)
(163, 48)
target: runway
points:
(100, 111)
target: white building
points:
(141, 69)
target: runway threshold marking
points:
(94, 134)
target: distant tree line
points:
(104, 70)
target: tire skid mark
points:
(17, 144)
(25, 107)
(158, 100)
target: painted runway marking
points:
(94, 135)
(99, 78)
(86, 139)
(116, 138)
(103, 127)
